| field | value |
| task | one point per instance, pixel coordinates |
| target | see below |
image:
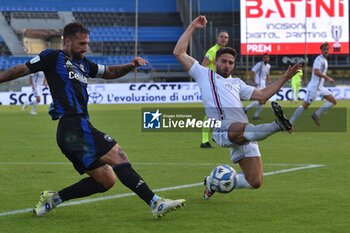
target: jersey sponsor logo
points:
(34, 59)
(77, 76)
(74, 73)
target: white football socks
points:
(34, 104)
(297, 113)
(324, 108)
(251, 105)
(241, 182)
(261, 131)
(258, 110)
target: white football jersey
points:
(320, 63)
(221, 96)
(261, 71)
(38, 79)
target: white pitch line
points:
(293, 169)
(91, 200)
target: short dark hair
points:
(222, 30)
(225, 50)
(72, 28)
(265, 54)
(324, 45)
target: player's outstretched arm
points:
(182, 44)
(321, 75)
(205, 62)
(14, 73)
(252, 78)
(113, 72)
(267, 92)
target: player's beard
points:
(224, 74)
(74, 55)
(78, 55)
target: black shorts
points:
(81, 143)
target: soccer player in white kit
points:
(316, 89)
(222, 96)
(260, 73)
(37, 81)
(209, 61)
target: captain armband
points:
(101, 69)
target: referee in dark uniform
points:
(90, 150)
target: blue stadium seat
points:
(82, 5)
(170, 34)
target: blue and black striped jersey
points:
(67, 79)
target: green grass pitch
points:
(301, 199)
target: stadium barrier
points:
(135, 93)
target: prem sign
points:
(294, 26)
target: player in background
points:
(37, 82)
(209, 61)
(316, 89)
(222, 96)
(296, 84)
(90, 151)
(221, 41)
(260, 75)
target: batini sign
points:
(294, 26)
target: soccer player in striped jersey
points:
(222, 96)
(91, 151)
(209, 61)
